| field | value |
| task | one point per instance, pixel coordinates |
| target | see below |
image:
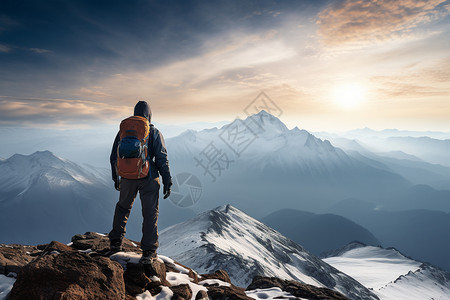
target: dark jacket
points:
(157, 152)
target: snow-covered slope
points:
(226, 238)
(390, 274)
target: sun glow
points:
(349, 96)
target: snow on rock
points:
(270, 294)
(391, 274)
(214, 281)
(228, 239)
(177, 279)
(171, 262)
(126, 257)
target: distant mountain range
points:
(257, 165)
(228, 239)
(45, 197)
(262, 160)
(431, 147)
(318, 233)
(42, 195)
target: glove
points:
(166, 189)
(117, 184)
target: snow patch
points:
(177, 278)
(126, 257)
(270, 293)
(214, 281)
(172, 263)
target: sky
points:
(325, 65)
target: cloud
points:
(417, 82)
(4, 48)
(36, 112)
(39, 50)
(360, 22)
(228, 66)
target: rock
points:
(96, 242)
(158, 269)
(219, 274)
(260, 282)
(56, 246)
(135, 279)
(201, 295)
(154, 287)
(227, 293)
(181, 292)
(69, 275)
(14, 257)
(297, 289)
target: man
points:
(148, 188)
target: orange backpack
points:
(132, 150)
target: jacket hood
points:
(143, 109)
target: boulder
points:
(56, 246)
(135, 279)
(297, 289)
(181, 292)
(219, 274)
(201, 295)
(227, 293)
(97, 242)
(14, 257)
(69, 275)
(139, 277)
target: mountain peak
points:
(38, 155)
(264, 122)
(263, 112)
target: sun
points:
(349, 95)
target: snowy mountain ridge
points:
(390, 274)
(55, 196)
(19, 172)
(264, 154)
(226, 238)
(263, 134)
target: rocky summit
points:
(79, 271)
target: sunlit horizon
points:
(328, 66)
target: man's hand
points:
(166, 190)
(117, 184)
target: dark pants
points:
(149, 194)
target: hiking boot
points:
(114, 247)
(148, 256)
